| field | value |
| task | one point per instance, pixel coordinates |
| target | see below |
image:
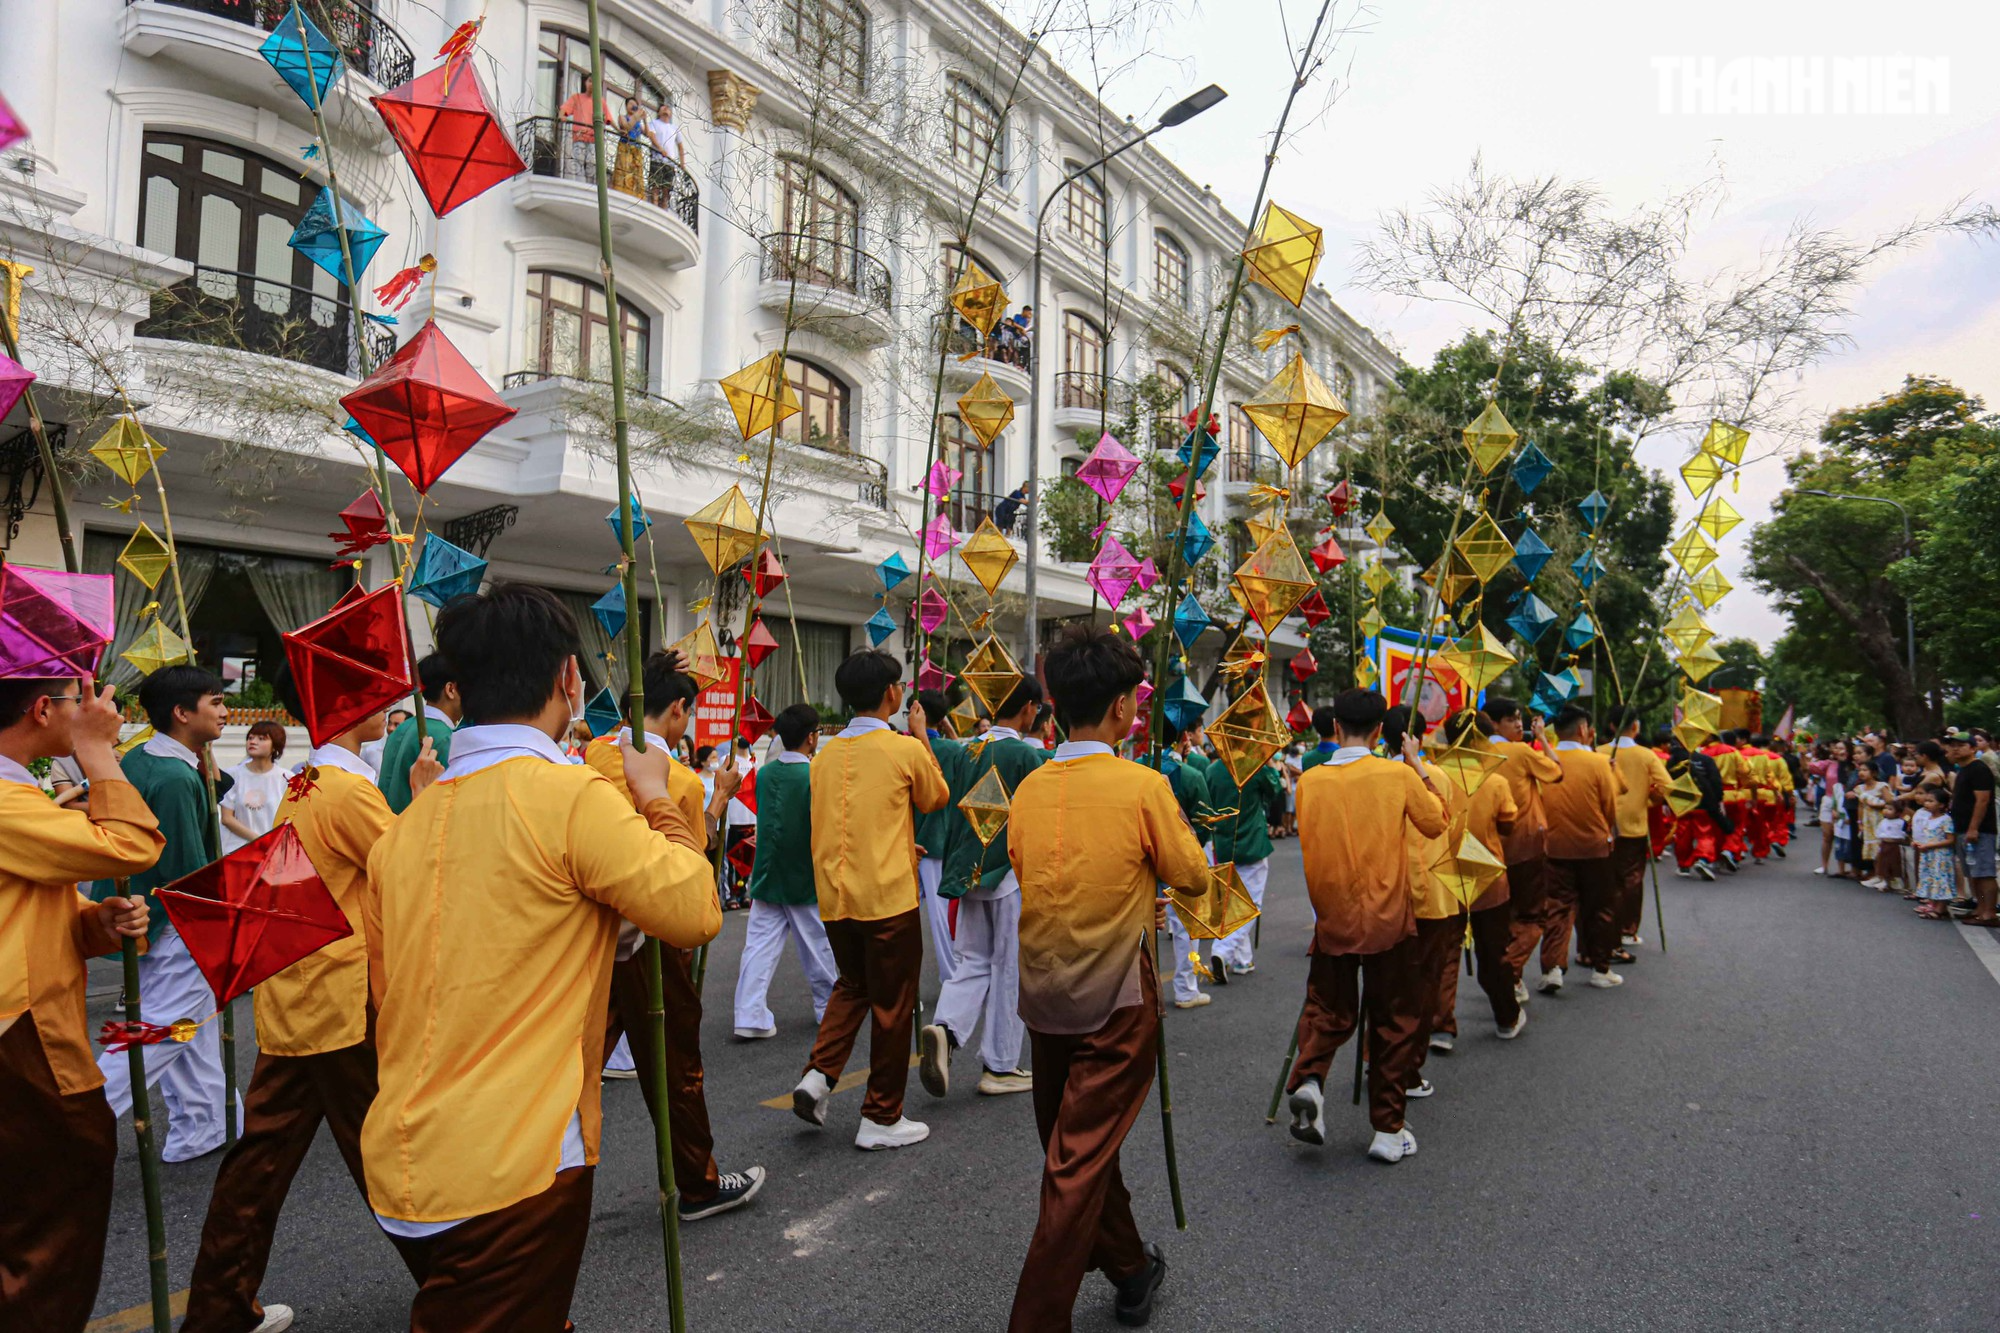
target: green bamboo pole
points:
(651, 960)
(1659, 912)
(1284, 1074)
(149, 1158)
(1166, 1091)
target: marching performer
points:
(783, 902)
(1583, 888)
(1645, 782)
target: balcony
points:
(221, 38)
(248, 313)
(655, 203)
(814, 280)
(521, 379)
(1083, 398)
(1009, 360)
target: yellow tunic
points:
(1480, 814)
(1352, 831)
(1090, 840)
(320, 1003)
(1583, 807)
(500, 894)
(47, 928)
(683, 783)
(864, 837)
(1527, 771)
(1645, 778)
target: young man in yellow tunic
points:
(1644, 779)
(705, 1189)
(58, 1138)
(1355, 813)
(1583, 889)
(1489, 815)
(1530, 770)
(1092, 838)
(499, 895)
(865, 784)
(314, 1058)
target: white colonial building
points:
(828, 156)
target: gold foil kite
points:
(988, 554)
(991, 673)
(156, 648)
(127, 450)
(1284, 253)
(1718, 517)
(985, 806)
(1711, 587)
(1485, 548)
(978, 298)
(1225, 908)
(1693, 551)
(760, 395)
(963, 719)
(1273, 581)
(146, 556)
(985, 409)
(1452, 576)
(1465, 867)
(1725, 442)
(1489, 439)
(701, 654)
(725, 529)
(1478, 658)
(1247, 733)
(1698, 664)
(1295, 411)
(1466, 764)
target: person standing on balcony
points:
(629, 176)
(667, 145)
(1008, 512)
(580, 112)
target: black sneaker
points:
(737, 1189)
(1778, 850)
(1134, 1305)
(1219, 967)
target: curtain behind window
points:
(822, 646)
(100, 556)
(293, 592)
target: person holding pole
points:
(1645, 779)
(1488, 815)
(1583, 886)
(1089, 992)
(58, 1136)
(934, 834)
(501, 893)
(1530, 770)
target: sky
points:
(1613, 95)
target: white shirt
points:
(253, 802)
(13, 772)
(665, 134)
(1571, 745)
(166, 747)
(476, 748)
(336, 756)
(1069, 750)
(792, 757)
(861, 726)
(1347, 754)
(1624, 741)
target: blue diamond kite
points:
(1199, 541)
(317, 237)
(1190, 621)
(610, 610)
(1531, 618)
(601, 714)
(444, 571)
(639, 520)
(1580, 631)
(1593, 507)
(305, 58)
(879, 626)
(1185, 705)
(892, 572)
(1530, 554)
(1587, 568)
(1531, 467)
(1562, 686)
(1209, 449)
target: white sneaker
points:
(1199, 999)
(1605, 980)
(1872, 883)
(1308, 1108)
(1551, 982)
(1819, 870)
(1681, 871)
(1423, 1089)
(1634, 939)
(809, 1098)
(755, 1034)
(934, 1059)
(999, 1085)
(1508, 1034)
(1393, 1147)
(277, 1318)
(1520, 992)
(1441, 1042)
(1705, 870)
(874, 1137)
(620, 1073)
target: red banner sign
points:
(715, 707)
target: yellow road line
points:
(852, 1079)
(138, 1318)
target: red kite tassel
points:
(397, 291)
(463, 38)
(124, 1036)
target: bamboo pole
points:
(1284, 1075)
(1166, 1090)
(149, 1158)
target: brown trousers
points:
(1583, 894)
(880, 964)
(1438, 941)
(56, 1158)
(1397, 993)
(1628, 866)
(1089, 1089)
(288, 1097)
(695, 1174)
(1527, 889)
(1492, 932)
(511, 1271)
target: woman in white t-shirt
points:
(251, 808)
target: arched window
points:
(971, 124)
(972, 498)
(1084, 208)
(820, 221)
(824, 406)
(1081, 383)
(830, 36)
(562, 62)
(567, 331)
(1170, 271)
(1246, 448)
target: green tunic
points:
(1318, 755)
(1247, 837)
(783, 871)
(1192, 793)
(966, 865)
(1199, 762)
(934, 829)
(178, 798)
(401, 750)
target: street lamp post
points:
(1184, 110)
(1909, 548)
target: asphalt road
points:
(1780, 1123)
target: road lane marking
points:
(1984, 945)
(138, 1318)
(852, 1079)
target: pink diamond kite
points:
(52, 624)
(931, 610)
(14, 381)
(1108, 468)
(1113, 572)
(1139, 624)
(12, 131)
(932, 677)
(1145, 692)
(1149, 574)
(939, 538)
(941, 479)
(1097, 532)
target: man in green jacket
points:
(441, 714)
(1246, 840)
(934, 832)
(1324, 725)
(185, 707)
(783, 899)
(985, 983)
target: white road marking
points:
(1984, 945)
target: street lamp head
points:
(1191, 106)
(1827, 494)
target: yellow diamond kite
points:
(985, 806)
(1718, 517)
(1725, 441)
(157, 647)
(760, 395)
(988, 554)
(1295, 411)
(1468, 762)
(1377, 576)
(1698, 664)
(963, 719)
(1485, 548)
(1245, 657)
(1702, 711)
(1284, 253)
(1478, 658)
(977, 297)
(1466, 869)
(1371, 621)
(146, 556)
(1701, 472)
(985, 409)
(1452, 576)
(1379, 528)
(1685, 631)
(127, 450)
(1273, 581)
(1693, 551)
(1265, 524)
(1683, 794)
(725, 529)
(701, 655)
(1247, 733)
(991, 673)
(1489, 439)
(1711, 587)
(1366, 674)
(1225, 908)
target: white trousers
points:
(1237, 946)
(188, 1075)
(763, 940)
(937, 915)
(620, 1058)
(1186, 983)
(987, 982)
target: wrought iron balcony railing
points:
(370, 45)
(550, 147)
(820, 262)
(219, 308)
